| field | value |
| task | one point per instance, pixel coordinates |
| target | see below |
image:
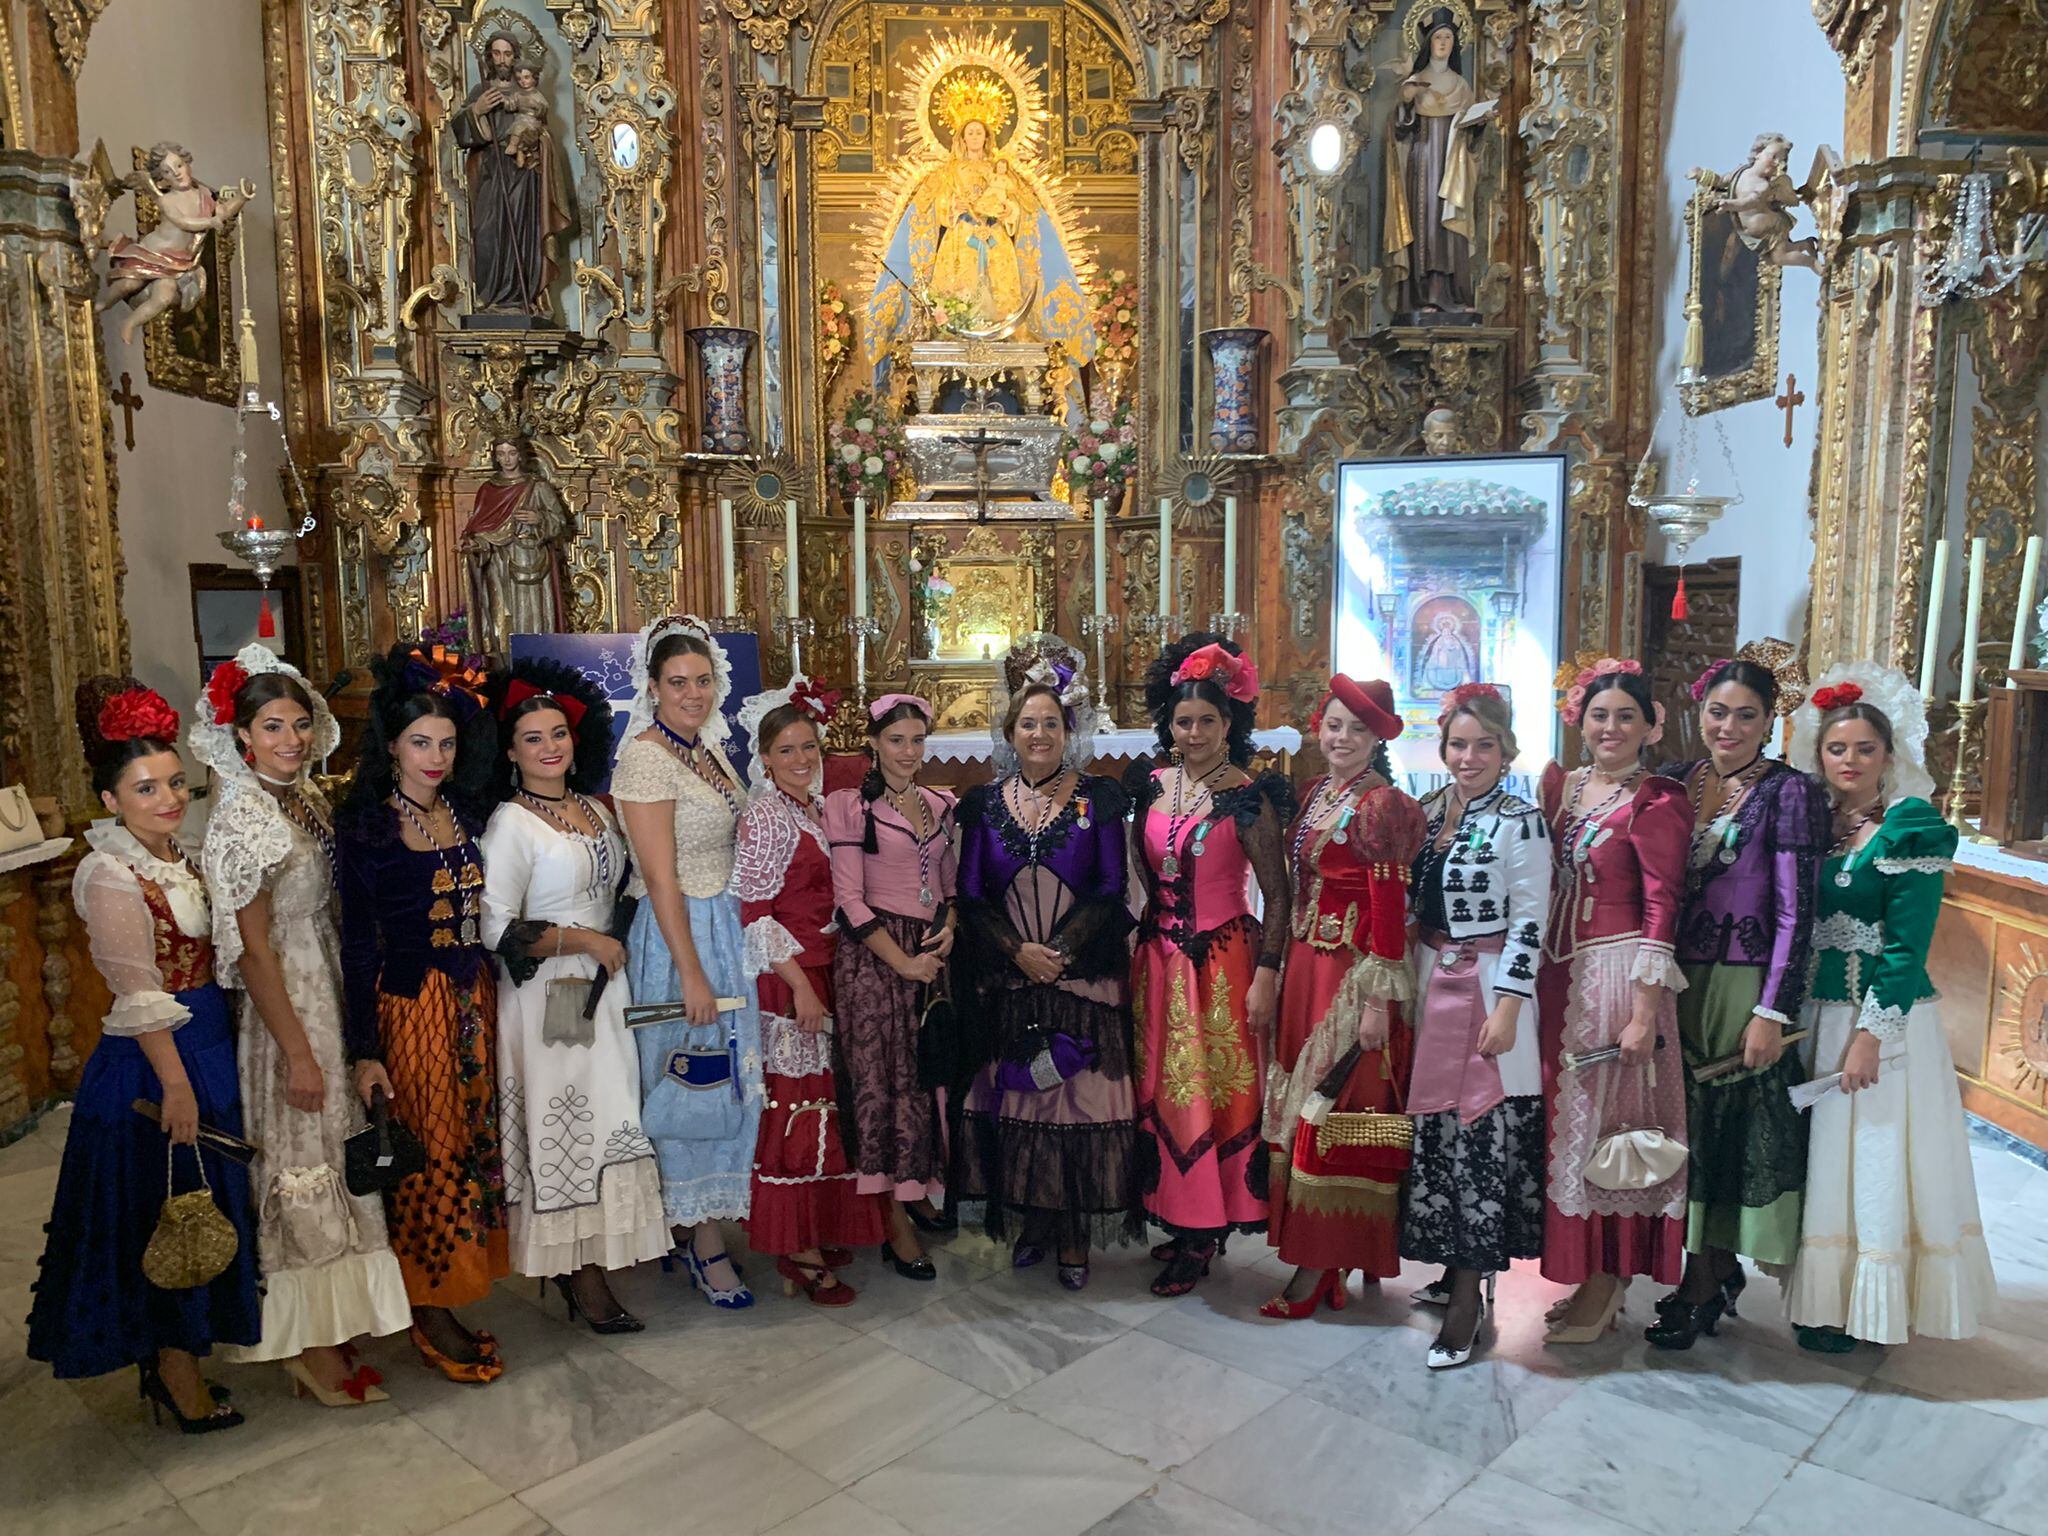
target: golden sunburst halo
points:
(966, 74)
(1197, 484)
(2022, 1023)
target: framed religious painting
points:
(1449, 572)
(1731, 301)
(191, 348)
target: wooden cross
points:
(1793, 395)
(130, 402)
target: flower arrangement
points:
(1101, 458)
(863, 450)
(451, 634)
(1114, 296)
(835, 329)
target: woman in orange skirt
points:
(420, 992)
(1344, 1033)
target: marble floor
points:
(993, 1402)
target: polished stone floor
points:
(993, 1402)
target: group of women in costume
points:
(1460, 1032)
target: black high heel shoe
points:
(937, 1223)
(620, 1321)
(150, 1387)
(1677, 1327)
(1733, 1286)
(920, 1268)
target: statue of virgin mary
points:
(976, 245)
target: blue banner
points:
(606, 661)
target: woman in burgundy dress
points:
(1336, 1190)
(805, 1210)
(1610, 979)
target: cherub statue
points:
(162, 267)
(1759, 199)
(526, 134)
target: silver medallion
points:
(1084, 823)
(469, 930)
(1169, 868)
(1340, 838)
(1727, 855)
(924, 896)
(1844, 879)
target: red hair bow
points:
(137, 712)
(818, 703)
(520, 690)
(221, 688)
(1841, 696)
(1237, 676)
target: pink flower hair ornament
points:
(1237, 676)
(1574, 707)
(1705, 680)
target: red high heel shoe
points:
(812, 1280)
(836, 1258)
(1329, 1289)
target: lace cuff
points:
(1656, 965)
(142, 1013)
(1375, 978)
(1772, 1014)
(768, 944)
(1885, 1022)
(516, 949)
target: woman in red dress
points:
(1336, 1186)
(1609, 979)
(805, 1209)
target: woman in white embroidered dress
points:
(700, 1061)
(1890, 1242)
(329, 1275)
(582, 1189)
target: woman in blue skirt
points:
(169, 1039)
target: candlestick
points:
(1101, 556)
(1229, 625)
(789, 545)
(1932, 643)
(1967, 713)
(728, 577)
(1099, 626)
(1165, 555)
(795, 632)
(860, 557)
(1971, 617)
(2028, 574)
(1230, 554)
(861, 629)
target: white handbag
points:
(1636, 1157)
(19, 826)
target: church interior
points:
(1439, 341)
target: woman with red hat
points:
(1338, 1136)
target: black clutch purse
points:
(383, 1154)
(938, 1040)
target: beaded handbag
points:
(193, 1241)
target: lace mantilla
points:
(246, 838)
(1848, 935)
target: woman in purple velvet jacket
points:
(1760, 830)
(1048, 1134)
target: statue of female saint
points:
(976, 245)
(511, 553)
(1432, 178)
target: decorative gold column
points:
(60, 583)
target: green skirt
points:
(1748, 1143)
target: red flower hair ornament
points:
(1463, 695)
(137, 712)
(1841, 696)
(221, 687)
(1237, 676)
(818, 703)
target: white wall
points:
(1734, 69)
(191, 73)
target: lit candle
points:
(860, 557)
(2028, 574)
(1230, 554)
(1101, 556)
(789, 556)
(256, 525)
(730, 587)
(1165, 556)
(1932, 643)
(1971, 616)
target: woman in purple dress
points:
(1048, 1127)
(1760, 830)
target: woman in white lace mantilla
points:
(329, 1273)
(582, 1189)
(1890, 1244)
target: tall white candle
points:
(729, 588)
(1165, 556)
(1101, 556)
(2029, 573)
(1230, 554)
(1936, 593)
(1971, 616)
(789, 553)
(860, 557)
